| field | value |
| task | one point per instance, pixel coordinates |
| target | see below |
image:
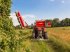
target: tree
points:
(65, 22)
(5, 6)
(6, 26)
(6, 22)
(55, 22)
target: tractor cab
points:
(39, 30)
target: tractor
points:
(39, 30)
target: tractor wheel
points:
(35, 34)
(45, 35)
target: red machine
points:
(48, 23)
(20, 19)
(39, 30)
(40, 23)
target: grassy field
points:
(58, 40)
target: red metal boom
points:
(19, 17)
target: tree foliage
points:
(5, 6)
(6, 27)
(6, 22)
(60, 23)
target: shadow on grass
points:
(57, 45)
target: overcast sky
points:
(40, 9)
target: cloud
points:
(29, 18)
(14, 19)
(29, 15)
(63, 1)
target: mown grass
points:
(58, 41)
(62, 33)
(58, 45)
(31, 45)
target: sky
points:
(32, 10)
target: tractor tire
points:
(35, 34)
(45, 35)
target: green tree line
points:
(60, 23)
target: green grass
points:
(53, 44)
(22, 41)
(59, 45)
